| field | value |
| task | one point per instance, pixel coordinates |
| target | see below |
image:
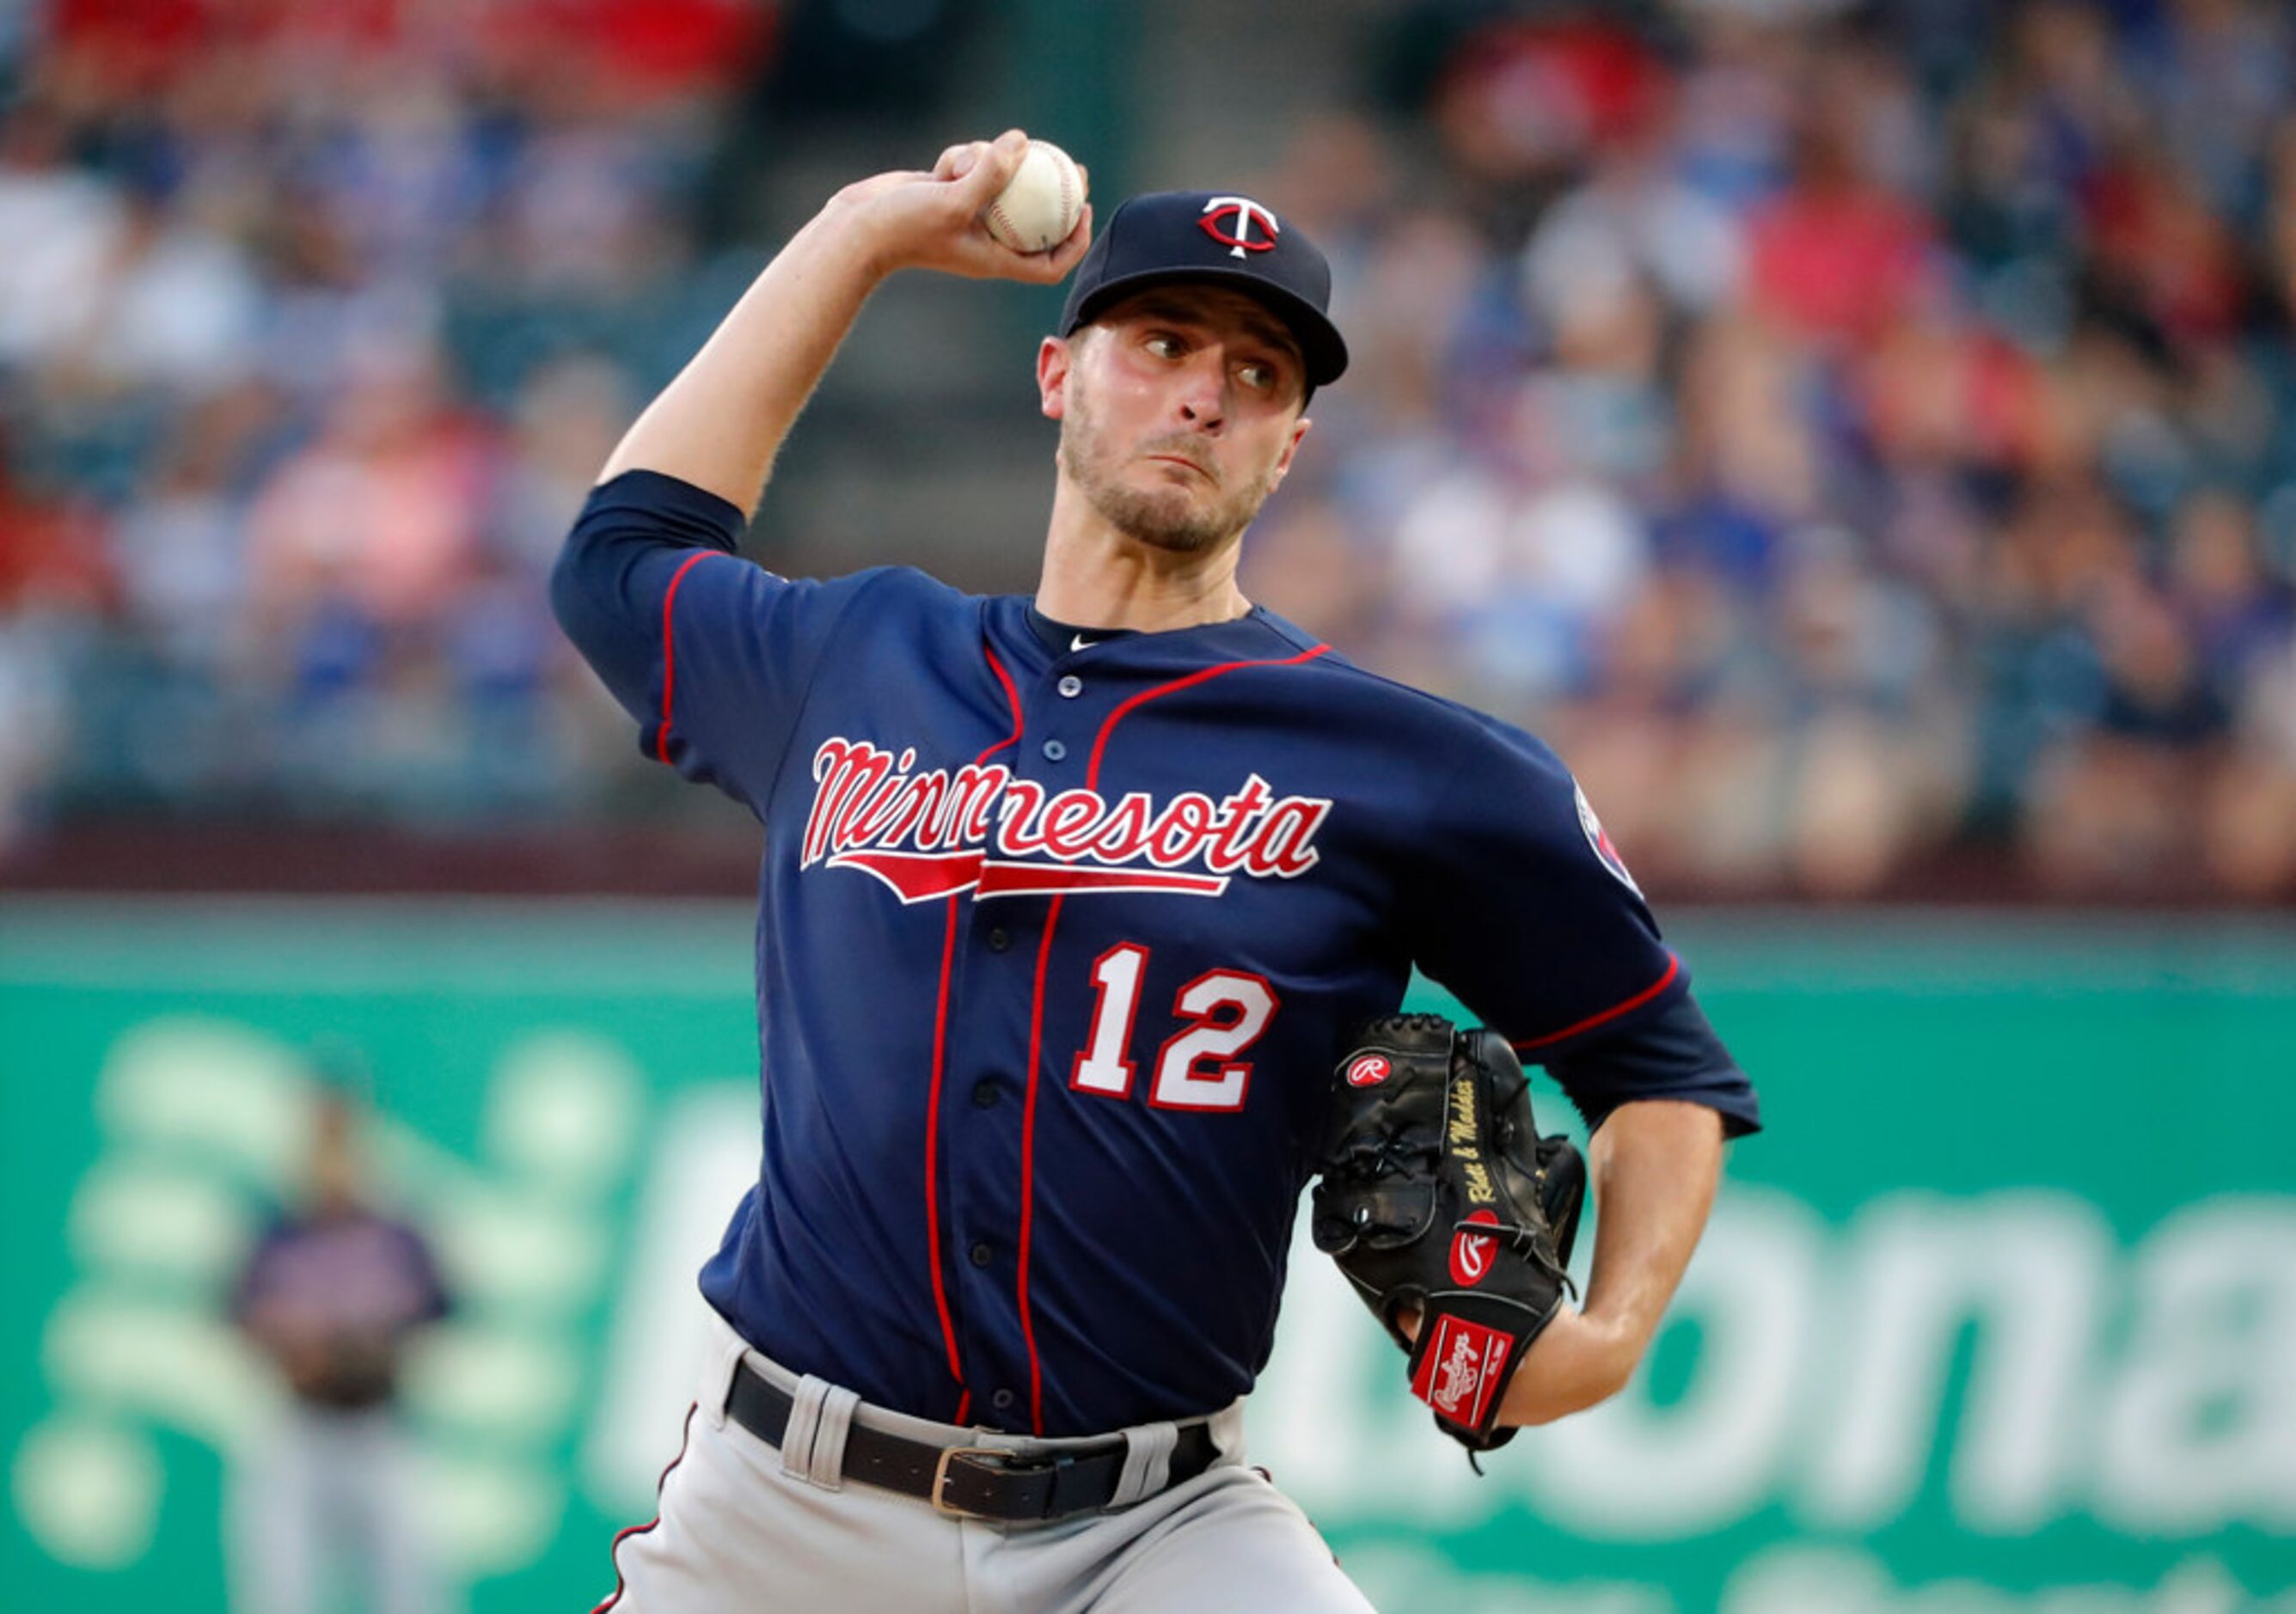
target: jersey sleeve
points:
(1521, 906)
(710, 654)
(1671, 1051)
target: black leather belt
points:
(971, 1481)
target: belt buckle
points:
(992, 1456)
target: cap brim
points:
(1321, 348)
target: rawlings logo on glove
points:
(1460, 1371)
(1439, 1196)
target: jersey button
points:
(982, 1255)
(985, 1095)
(1071, 686)
(1054, 750)
(999, 939)
(1002, 1399)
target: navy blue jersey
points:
(350, 1286)
(1056, 950)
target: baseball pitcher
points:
(1083, 922)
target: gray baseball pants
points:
(330, 1498)
(745, 1528)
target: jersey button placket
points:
(989, 997)
(984, 1181)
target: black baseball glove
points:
(1438, 1193)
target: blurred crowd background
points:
(1862, 437)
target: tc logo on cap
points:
(1246, 212)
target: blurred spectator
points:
(1860, 436)
(1911, 398)
(313, 327)
(1838, 254)
(330, 1294)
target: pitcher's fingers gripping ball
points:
(1039, 207)
(1439, 1195)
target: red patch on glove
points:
(1460, 1371)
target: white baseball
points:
(1037, 210)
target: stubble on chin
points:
(1165, 518)
(1162, 518)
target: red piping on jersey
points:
(940, 1064)
(613, 1551)
(933, 1155)
(1011, 695)
(1092, 773)
(1036, 1012)
(1673, 969)
(1029, 1171)
(669, 663)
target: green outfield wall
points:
(2000, 1314)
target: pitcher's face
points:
(1179, 411)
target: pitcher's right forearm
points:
(721, 422)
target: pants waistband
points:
(821, 1416)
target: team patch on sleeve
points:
(1598, 838)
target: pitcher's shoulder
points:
(1372, 703)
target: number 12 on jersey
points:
(1221, 1012)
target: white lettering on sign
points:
(2148, 1388)
(1633, 1470)
(2199, 1426)
(2022, 1274)
(1798, 1579)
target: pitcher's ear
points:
(1053, 355)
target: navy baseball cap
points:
(1171, 235)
